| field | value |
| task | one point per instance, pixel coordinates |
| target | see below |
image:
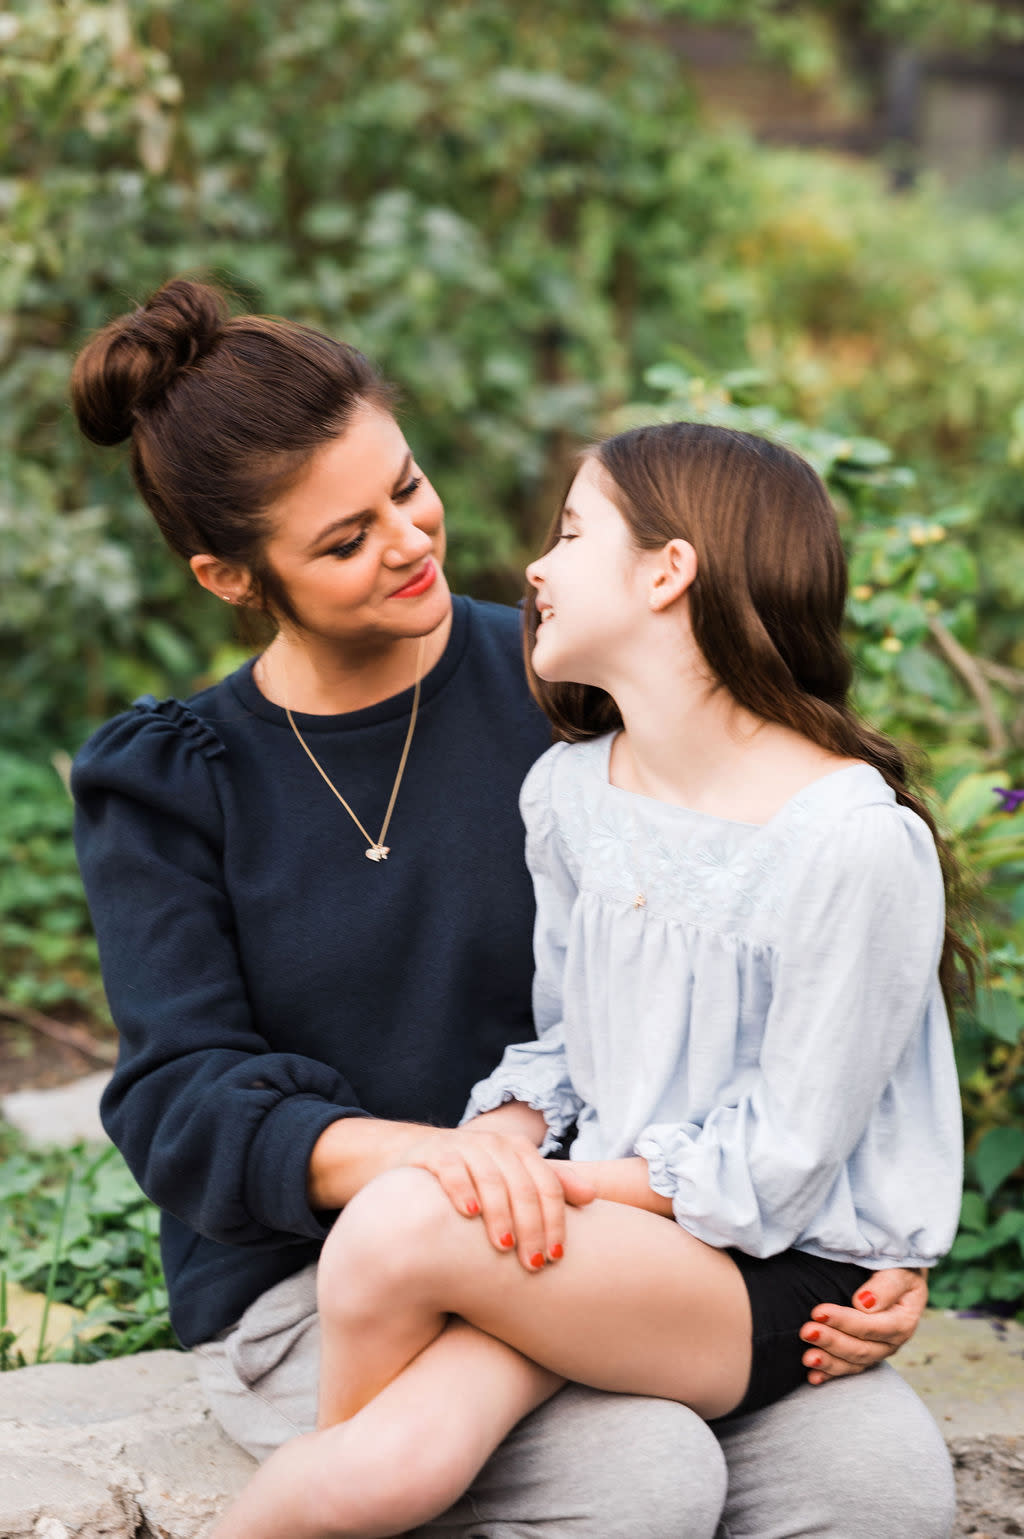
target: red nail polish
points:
(507, 1241)
(814, 1362)
(472, 1207)
(557, 1253)
(536, 1260)
(812, 1336)
(866, 1300)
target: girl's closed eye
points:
(568, 534)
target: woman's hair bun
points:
(129, 365)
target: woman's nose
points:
(534, 574)
(408, 542)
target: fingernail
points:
(866, 1300)
(506, 1241)
(472, 1207)
(536, 1260)
(814, 1362)
(812, 1335)
(820, 1316)
(557, 1253)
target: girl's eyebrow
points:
(350, 518)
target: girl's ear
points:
(221, 578)
(675, 569)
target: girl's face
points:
(359, 541)
(591, 588)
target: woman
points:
(295, 1017)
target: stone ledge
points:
(126, 1449)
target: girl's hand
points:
(886, 1313)
(501, 1177)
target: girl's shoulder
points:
(854, 835)
(562, 770)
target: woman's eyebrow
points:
(351, 518)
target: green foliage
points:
(75, 1227)
(47, 952)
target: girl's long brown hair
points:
(766, 606)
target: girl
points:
(740, 949)
(296, 1019)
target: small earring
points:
(227, 598)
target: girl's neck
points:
(317, 677)
(696, 747)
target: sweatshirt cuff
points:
(277, 1171)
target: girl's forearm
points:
(626, 1181)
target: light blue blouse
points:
(754, 1009)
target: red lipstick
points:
(418, 584)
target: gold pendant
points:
(378, 852)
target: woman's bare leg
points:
(636, 1305)
(403, 1459)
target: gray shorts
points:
(588, 1465)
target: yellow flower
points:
(891, 644)
(863, 591)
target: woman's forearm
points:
(351, 1151)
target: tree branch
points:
(70, 1036)
(973, 676)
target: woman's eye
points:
(342, 552)
(568, 535)
(409, 489)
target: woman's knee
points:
(625, 1466)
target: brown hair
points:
(766, 606)
(224, 414)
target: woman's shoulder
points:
(164, 743)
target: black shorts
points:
(783, 1290)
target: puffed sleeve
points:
(856, 1033)
(536, 1072)
(216, 1127)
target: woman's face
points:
(358, 541)
(590, 589)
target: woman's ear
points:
(221, 578)
(674, 571)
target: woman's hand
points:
(491, 1168)
(886, 1313)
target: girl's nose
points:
(534, 574)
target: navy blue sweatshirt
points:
(267, 979)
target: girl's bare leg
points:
(637, 1305)
(405, 1458)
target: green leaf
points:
(1000, 1013)
(972, 799)
(997, 1156)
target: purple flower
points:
(1011, 798)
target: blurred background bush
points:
(542, 221)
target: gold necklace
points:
(378, 850)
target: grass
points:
(76, 1229)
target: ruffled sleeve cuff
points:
(665, 1147)
(540, 1082)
